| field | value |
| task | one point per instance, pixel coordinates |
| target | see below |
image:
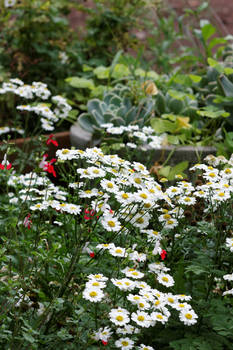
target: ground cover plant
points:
(96, 250)
(106, 257)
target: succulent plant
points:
(116, 108)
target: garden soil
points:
(220, 13)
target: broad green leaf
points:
(216, 41)
(102, 72)
(173, 139)
(81, 83)
(178, 169)
(179, 95)
(215, 64)
(164, 171)
(195, 78)
(153, 75)
(120, 71)
(114, 62)
(207, 31)
(226, 85)
(228, 70)
(211, 112)
(87, 68)
(160, 126)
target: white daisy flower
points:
(229, 243)
(93, 294)
(118, 251)
(98, 277)
(141, 318)
(188, 317)
(96, 284)
(110, 223)
(119, 316)
(165, 280)
(145, 347)
(124, 343)
(133, 273)
(159, 317)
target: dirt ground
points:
(220, 13)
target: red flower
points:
(7, 167)
(47, 166)
(104, 342)
(50, 140)
(163, 254)
(92, 254)
(27, 223)
(89, 212)
(50, 168)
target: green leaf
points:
(87, 68)
(81, 83)
(195, 78)
(226, 85)
(102, 72)
(228, 70)
(216, 41)
(179, 95)
(164, 171)
(114, 62)
(173, 139)
(160, 126)
(178, 169)
(212, 112)
(215, 64)
(120, 71)
(196, 269)
(207, 31)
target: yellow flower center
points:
(165, 279)
(109, 185)
(137, 180)
(141, 318)
(118, 251)
(125, 196)
(65, 151)
(135, 273)
(140, 220)
(119, 318)
(170, 222)
(227, 171)
(93, 294)
(167, 216)
(221, 194)
(125, 343)
(143, 195)
(95, 284)
(147, 205)
(160, 317)
(212, 174)
(188, 316)
(111, 223)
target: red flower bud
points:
(163, 254)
